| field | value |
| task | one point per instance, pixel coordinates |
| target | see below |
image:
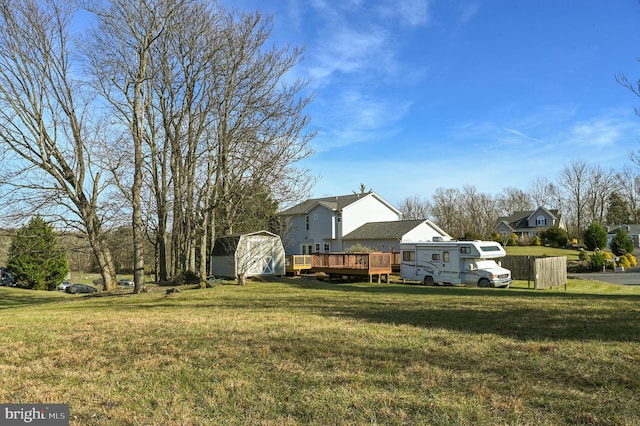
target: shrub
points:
(358, 248)
(537, 241)
(187, 277)
(624, 262)
(555, 235)
(621, 243)
(583, 255)
(631, 259)
(607, 255)
(596, 261)
(595, 237)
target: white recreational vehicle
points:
(454, 262)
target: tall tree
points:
(629, 188)
(446, 211)
(512, 200)
(617, 210)
(544, 193)
(601, 184)
(574, 179)
(415, 208)
(119, 53)
(44, 121)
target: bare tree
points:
(415, 208)
(544, 193)
(119, 53)
(512, 200)
(629, 181)
(261, 128)
(601, 184)
(44, 119)
(574, 178)
(446, 211)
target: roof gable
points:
(336, 203)
(227, 245)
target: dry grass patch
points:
(303, 352)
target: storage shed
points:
(255, 254)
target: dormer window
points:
(541, 221)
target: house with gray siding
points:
(529, 223)
(318, 225)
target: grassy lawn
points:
(303, 352)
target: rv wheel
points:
(428, 280)
(483, 283)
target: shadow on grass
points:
(16, 297)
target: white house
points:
(319, 225)
(387, 236)
(254, 254)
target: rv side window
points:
(445, 256)
(465, 250)
(408, 255)
(435, 256)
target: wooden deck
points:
(353, 264)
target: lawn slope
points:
(303, 352)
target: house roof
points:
(520, 219)
(383, 230)
(633, 229)
(336, 203)
(227, 245)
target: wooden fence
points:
(544, 272)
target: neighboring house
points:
(633, 231)
(257, 253)
(529, 223)
(318, 225)
(387, 236)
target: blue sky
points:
(415, 95)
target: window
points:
(317, 247)
(445, 256)
(306, 220)
(435, 256)
(465, 250)
(327, 248)
(490, 248)
(408, 256)
(541, 221)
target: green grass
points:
(541, 251)
(303, 352)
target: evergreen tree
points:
(36, 258)
(618, 210)
(621, 243)
(595, 237)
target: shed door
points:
(261, 252)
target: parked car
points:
(80, 288)
(125, 282)
(6, 278)
(63, 285)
